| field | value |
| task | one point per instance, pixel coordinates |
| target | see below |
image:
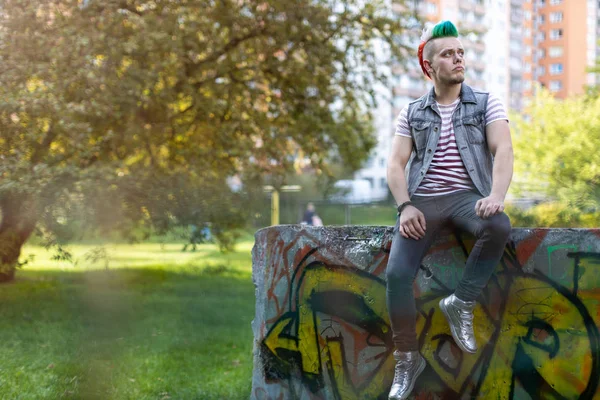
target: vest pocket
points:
(419, 131)
(475, 129)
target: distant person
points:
(198, 235)
(206, 233)
(194, 238)
(307, 219)
(455, 144)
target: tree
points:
(121, 112)
(555, 157)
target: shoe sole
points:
(452, 330)
(419, 370)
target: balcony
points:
(516, 33)
(477, 27)
(476, 64)
(477, 46)
(517, 19)
(466, 6)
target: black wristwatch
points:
(402, 206)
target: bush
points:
(552, 215)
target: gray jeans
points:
(406, 255)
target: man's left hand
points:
(489, 206)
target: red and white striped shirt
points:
(447, 173)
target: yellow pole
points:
(275, 207)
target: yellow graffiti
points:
(319, 353)
(529, 299)
(462, 373)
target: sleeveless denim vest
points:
(469, 129)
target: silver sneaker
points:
(460, 318)
(409, 366)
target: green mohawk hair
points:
(442, 29)
(439, 30)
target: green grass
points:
(156, 324)
(336, 214)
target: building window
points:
(540, 19)
(540, 36)
(556, 69)
(431, 8)
(556, 34)
(540, 53)
(515, 63)
(555, 51)
(541, 3)
(382, 183)
(541, 70)
(555, 86)
(516, 46)
(556, 17)
(555, 2)
(382, 162)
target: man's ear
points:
(428, 67)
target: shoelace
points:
(467, 319)
(401, 373)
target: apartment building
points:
(520, 38)
(566, 44)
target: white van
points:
(354, 191)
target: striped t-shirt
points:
(447, 173)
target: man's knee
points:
(498, 227)
(401, 274)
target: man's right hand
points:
(412, 223)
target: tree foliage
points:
(556, 158)
(121, 112)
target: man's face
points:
(446, 60)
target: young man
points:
(458, 143)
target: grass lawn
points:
(156, 324)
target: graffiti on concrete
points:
(537, 334)
(339, 327)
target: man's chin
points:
(457, 80)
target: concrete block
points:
(321, 328)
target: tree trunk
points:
(19, 216)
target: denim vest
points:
(468, 119)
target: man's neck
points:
(447, 94)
